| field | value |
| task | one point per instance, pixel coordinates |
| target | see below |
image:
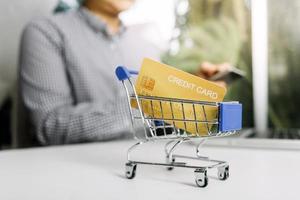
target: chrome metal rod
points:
(198, 147)
(133, 147)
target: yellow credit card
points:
(160, 80)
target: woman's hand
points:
(207, 70)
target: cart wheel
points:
(201, 177)
(130, 170)
(223, 172)
(172, 162)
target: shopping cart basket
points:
(227, 122)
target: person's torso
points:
(90, 56)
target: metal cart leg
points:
(170, 159)
(223, 168)
(130, 167)
(198, 148)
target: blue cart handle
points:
(123, 73)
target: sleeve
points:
(47, 95)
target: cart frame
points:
(226, 123)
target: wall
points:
(14, 14)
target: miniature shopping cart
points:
(226, 122)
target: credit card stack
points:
(160, 80)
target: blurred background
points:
(259, 37)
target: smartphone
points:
(229, 76)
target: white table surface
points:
(96, 171)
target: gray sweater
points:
(67, 79)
